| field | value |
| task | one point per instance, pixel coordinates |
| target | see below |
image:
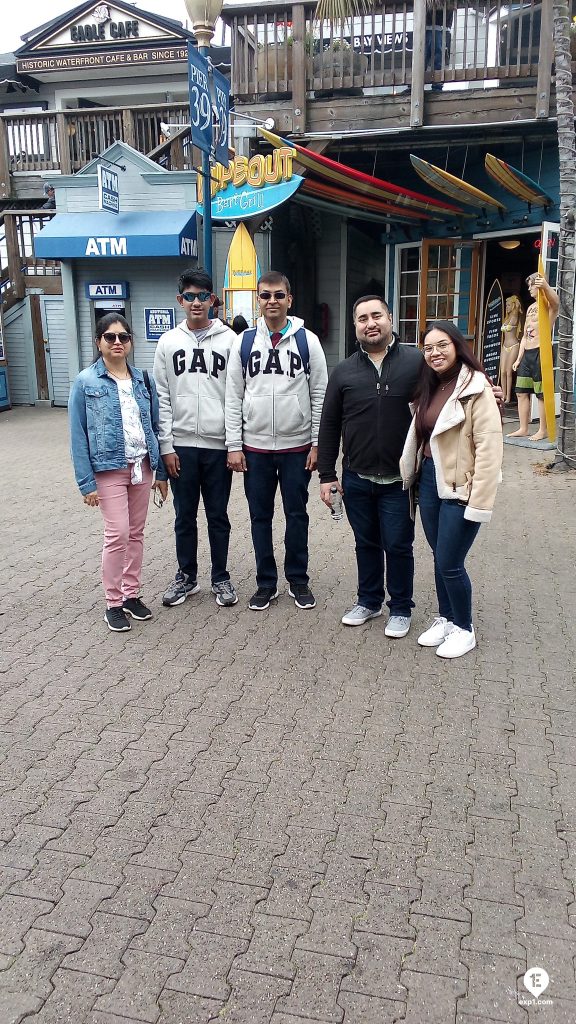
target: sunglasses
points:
(110, 337)
(196, 296)
(272, 295)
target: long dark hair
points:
(429, 381)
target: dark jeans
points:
(265, 470)
(435, 40)
(379, 515)
(202, 472)
(450, 536)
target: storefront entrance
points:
(449, 279)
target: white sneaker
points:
(359, 614)
(458, 642)
(398, 625)
(436, 633)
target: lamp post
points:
(203, 16)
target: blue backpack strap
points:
(301, 344)
(246, 347)
(303, 349)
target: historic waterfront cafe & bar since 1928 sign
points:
(102, 36)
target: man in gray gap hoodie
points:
(190, 373)
(275, 388)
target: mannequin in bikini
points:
(527, 364)
(511, 334)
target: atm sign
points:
(102, 290)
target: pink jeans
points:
(124, 506)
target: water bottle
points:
(336, 507)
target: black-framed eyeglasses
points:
(196, 296)
(272, 295)
(110, 337)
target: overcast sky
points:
(17, 19)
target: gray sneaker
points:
(398, 625)
(180, 588)
(358, 615)
(226, 596)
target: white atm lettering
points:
(188, 247)
(109, 180)
(106, 247)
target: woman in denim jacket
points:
(113, 412)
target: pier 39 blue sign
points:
(250, 187)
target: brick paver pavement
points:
(269, 818)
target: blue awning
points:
(79, 235)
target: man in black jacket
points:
(367, 405)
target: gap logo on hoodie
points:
(198, 361)
(270, 362)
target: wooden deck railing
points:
(19, 267)
(280, 51)
(177, 152)
(67, 140)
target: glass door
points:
(449, 284)
(406, 306)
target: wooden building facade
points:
(369, 93)
(361, 92)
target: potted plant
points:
(336, 61)
(275, 63)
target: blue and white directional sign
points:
(157, 321)
(108, 190)
(222, 106)
(200, 102)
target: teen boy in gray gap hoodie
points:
(190, 373)
(191, 378)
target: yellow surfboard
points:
(241, 277)
(242, 270)
(453, 187)
(546, 359)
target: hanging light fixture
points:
(509, 243)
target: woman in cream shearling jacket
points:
(454, 449)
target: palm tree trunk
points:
(566, 443)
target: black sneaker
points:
(116, 620)
(261, 599)
(180, 588)
(137, 609)
(303, 596)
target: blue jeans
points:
(202, 472)
(437, 37)
(450, 536)
(379, 515)
(265, 470)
